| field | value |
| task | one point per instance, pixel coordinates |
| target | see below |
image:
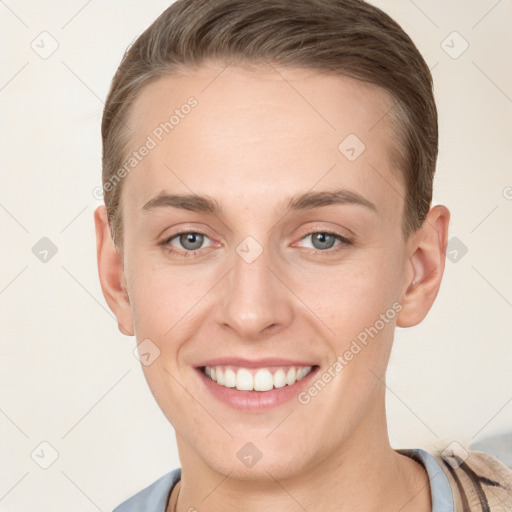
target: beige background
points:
(70, 379)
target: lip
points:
(255, 401)
(255, 363)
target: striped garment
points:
(480, 482)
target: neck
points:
(365, 473)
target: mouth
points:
(256, 388)
(251, 379)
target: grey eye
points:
(322, 240)
(191, 241)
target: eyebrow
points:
(305, 201)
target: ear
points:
(427, 249)
(111, 273)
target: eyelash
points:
(344, 242)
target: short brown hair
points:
(349, 37)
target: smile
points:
(262, 379)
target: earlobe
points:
(426, 265)
(111, 273)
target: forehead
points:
(260, 133)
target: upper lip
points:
(253, 363)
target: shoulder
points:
(479, 480)
(153, 498)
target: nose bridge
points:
(253, 297)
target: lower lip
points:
(256, 400)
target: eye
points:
(190, 241)
(322, 241)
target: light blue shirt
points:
(154, 498)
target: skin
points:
(254, 140)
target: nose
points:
(255, 300)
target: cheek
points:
(162, 296)
(167, 389)
(352, 296)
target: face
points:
(292, 262)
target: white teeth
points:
(244, 380)
(279, 379)
(229, 378)
(291, 376)
(263, 379)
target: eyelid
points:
(183, 231)
(313, 228)
(331, 233)
(178, 229)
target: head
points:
(295, 143)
